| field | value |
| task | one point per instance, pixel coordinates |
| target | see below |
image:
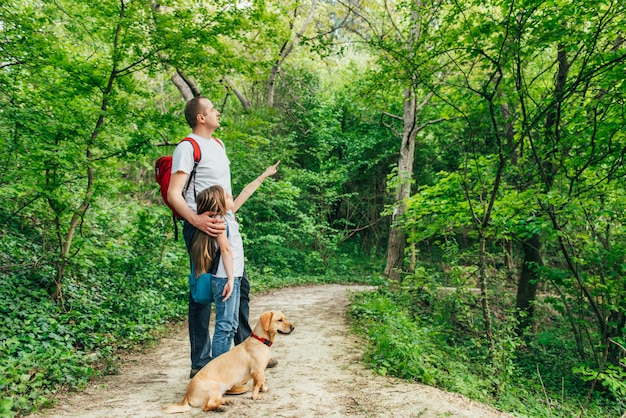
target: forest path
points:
(319, 374)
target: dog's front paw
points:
(255, 392)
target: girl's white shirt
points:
(236, 245)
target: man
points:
(213, 169)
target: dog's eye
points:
(280, 320)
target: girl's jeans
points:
(226, 315)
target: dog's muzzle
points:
(291, 328)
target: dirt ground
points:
(319, 373)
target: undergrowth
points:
(47, 347)
(435, 339)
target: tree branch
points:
(230, 85)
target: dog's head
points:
(275, 322)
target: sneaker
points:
(272, 363)
(237, 390)
(193, 373)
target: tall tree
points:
(70, 82)
(399, 37)
(544, 107)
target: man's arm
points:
(203, 222)
(252, 187)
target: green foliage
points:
(85, 97)
(538, 157)
(612, 378)
(116, 298)
(400, 346)
(428, 337)
(407, 346)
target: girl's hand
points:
(271, 170)
(228, 289)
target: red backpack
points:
(163, 171)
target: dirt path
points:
(319, 374)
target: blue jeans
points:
(226, 315)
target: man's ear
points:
(266, 320)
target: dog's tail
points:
(178, 407)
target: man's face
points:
(210, 115)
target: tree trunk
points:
(484, 286)
(528, 282)
(616, 333)
(271, 84)
(397, 237)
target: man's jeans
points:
(198, 318)
(244, 330)
(226, 315)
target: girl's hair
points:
(212, 200)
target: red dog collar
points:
(263, 340)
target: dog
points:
(243, 362)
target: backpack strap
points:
(219, 142)
(216, 261)
(197, 156)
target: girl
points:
(226, 281)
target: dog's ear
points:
(266, 320)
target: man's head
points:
(201, 110)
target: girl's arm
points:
(251, 188)
(227, 261)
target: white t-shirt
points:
(214, 166)
(236, 245)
